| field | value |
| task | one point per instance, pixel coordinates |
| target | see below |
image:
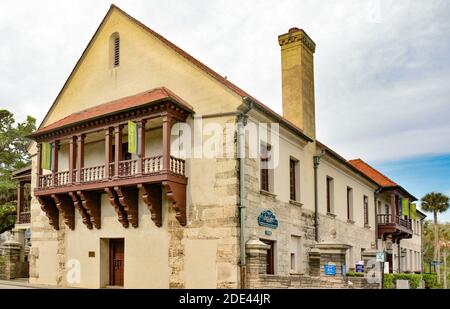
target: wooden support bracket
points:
(83, 212)
(128, 198)
(152, 196)
(49, 207)
(176, 194)
(92, 203)
(114, 200)
(65, 205)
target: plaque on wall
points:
(268, 219)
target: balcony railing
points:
(95, 173)
(127, 169)
(389, 219)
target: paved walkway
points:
(22, 284)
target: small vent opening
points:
(116, 51)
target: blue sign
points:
(359, 268)
(268, 219)
(28, 233)
(330, 269)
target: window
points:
(330, 194)
(366, 210)
(270, 261)
(265, 177)
(387, 209)
(294, 179)
(115, 49)
(295, 254)
(349, 203)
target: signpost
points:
(381, 258)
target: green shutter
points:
(132, 137)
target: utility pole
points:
(445, 267)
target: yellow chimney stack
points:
(297, 68)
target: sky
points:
(382, 67)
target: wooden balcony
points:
(94, 178)
(124, 181)
(396, 226)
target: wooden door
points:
(116, 262)
(270, 257)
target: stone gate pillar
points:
(314, 262)
(256, 253)
(332, 252)
(11, 250)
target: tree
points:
(13, 155)
(436, 203)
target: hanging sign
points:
(132, 137)
(268, 219)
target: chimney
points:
(297, 71)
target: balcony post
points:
(167, 120)
(117, 149)
(72, 146)
(141, 146)
(55, 149)
(38, 165)
(393, 207)
(20, 200)
(80, 157)
(108, 151)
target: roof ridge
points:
(373, 169)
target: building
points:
(15, 250)
(392, 226)
(125, 201)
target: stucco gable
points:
(148, 61)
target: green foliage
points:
(435, 202)
(13, 156)
(390, 280)
(354, 274)
(2, 259)
(431, 281)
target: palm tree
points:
(435, 202)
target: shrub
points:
(431, 281)
(390, 280)
(2, 259)
(355, 274)
(413, 279)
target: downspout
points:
(241, 123)
(375, 195)
(316, 202)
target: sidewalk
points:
(23, 283)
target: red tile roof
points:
(147, 97)
(197, 63)
(372, 173)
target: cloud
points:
(381, 67)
